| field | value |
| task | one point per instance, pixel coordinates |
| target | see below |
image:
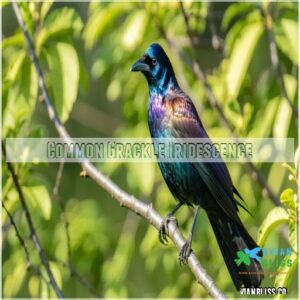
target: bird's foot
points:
(185, 251)
(163, 229)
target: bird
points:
(207, 186)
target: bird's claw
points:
(185, 252)
(163, 230)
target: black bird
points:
(171, 114)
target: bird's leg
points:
(186, 249)
(162, 232)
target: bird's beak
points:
(140, 66)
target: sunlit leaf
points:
(64, 75)
(241, 56)
(293, 234)
(275, 217)
(45, 7)
(15, 65)
(21, 97)
(100, 20)
(56, 273)
(134, 29)
(39, 196)
(59, 23)
(284, 273)
(4, 3)
(286, 35)
(287, 198)
(264, 119)
(33, 286)
(234, 11)
(14, 280)
(15, 40)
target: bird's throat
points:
(161, 82)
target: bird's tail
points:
(233, 239)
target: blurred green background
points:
(86, 50)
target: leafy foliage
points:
(86, 51)
(281, 215)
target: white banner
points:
(150, 150)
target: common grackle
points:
(171, 114)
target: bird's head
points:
(156, 67)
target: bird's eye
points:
(154, 61)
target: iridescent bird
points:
(171, 114)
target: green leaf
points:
(235, 31)
(4, 3)
(240, 57)
(287, 198)
(64, 77)
(297, 158)
(134, 30)
(33, 286)
(137, 174)
(233, 112)
(39, 197)
(29, 84)
(21, 98)
(293, 234)
(15, 65)
(286, 36)
(290, 169)
(291, 85)
(15, 40)
(56, 273)
(283, 277)
(45, 7)
(100, 20)
(275, 217)
(282, 120)
(14, 281)
(234, 11)
(264, 119)
(58, 23)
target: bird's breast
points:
(158, 118)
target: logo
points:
(243, 257)
(270, 258)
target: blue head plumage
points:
(157, 68)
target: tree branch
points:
(215, 104)
(125, 199)
(32, 231)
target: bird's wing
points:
(185, 123)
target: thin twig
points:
(32, 231)
(29, 265)
(73, 272)
(125, 199)
(14, 225)
(275, 57)
(214, 103)
(58, 179)
(216, 41)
